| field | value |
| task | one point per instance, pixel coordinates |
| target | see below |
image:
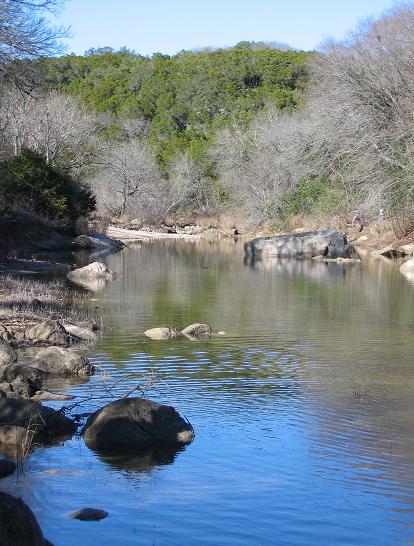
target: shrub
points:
(28, 183)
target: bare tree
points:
(25, 35)
(55, 125)
(129, 182)
(355, 129)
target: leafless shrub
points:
(129, 182)
(55, 125)
(355, 130)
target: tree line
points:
(262, 132)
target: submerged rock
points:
(89, 514)
(22, 418)
(135, 422)
(197, 330)
(328, 243)
(64, 362)
(7, 354)
(160, 333)
(18, 525)
(44, 395)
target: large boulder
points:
(60, 361)
(328, 243)
(7, 354)
(18, 525)
(135, 423)
(43, 424)
(48, 332)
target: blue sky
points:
(172, 25)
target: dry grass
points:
(25, 301)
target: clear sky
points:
(169, 26)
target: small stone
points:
(89, 514)
(160, 333)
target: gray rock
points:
(44, 424)
(92, 277)
(89, 514)
(60, 361)
(5, 334)
(48, 332)
(22, 388)
(13, 371)
(7, 354)
(95, 270)
(197, 330)
(160, 333)
(7, 468)
(408, 266)
(82, 333)
(97, 241)
(328, 243)
(137, 423)
(18, 525)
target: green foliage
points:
(27, 182)
(312, 196)
(185, 97)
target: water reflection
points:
(139, 461)
(313, 270)
(303, 412)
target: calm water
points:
(304, 412)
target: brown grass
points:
(25, 301)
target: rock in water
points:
(328, 243)
(44, 424)
(135, 423)
(160, 333)
(13, 372)
(89, 514)
(63, 362)
(18, 526)
(7, 354)
(92, 277)
(197, 330)
(95, 270)
(408, 266)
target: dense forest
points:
(260, 132)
